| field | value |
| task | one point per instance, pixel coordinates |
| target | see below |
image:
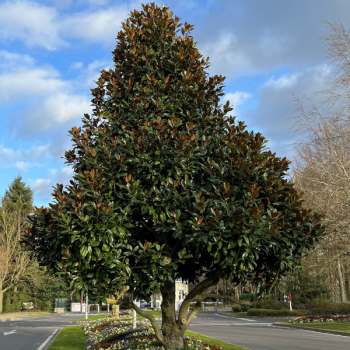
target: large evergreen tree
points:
(167, 186)
(19, 195)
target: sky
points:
(52, 51)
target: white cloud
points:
(237, 98)
(23, 166)
(24, 159)
(95, 26)
(33, 23)
(39, 25)
(275, 109)
(62, 107)
(43, 187)
(94, 2)
(76, 65)
(9, 155)
(283, 82)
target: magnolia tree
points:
(166, 186)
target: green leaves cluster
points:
(166, 185)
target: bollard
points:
(216, 307)
(115, 311)
(87, 307)
(133, 319)
(203, 307)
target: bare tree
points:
(13, 262)
(322, 163)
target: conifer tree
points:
(166, 186)
(19, 195)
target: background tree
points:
(322, 165)
(19, 195)
(166, 186)
(13, 261)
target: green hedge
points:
(269, 312)
(310, 312)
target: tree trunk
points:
(172, 330)
(341, 282)
(1, 298)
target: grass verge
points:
(212, 341)
(23, 314)
(71, 338)
(94, 317)
(153, 313)
(339, 327)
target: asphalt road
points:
(260, 334)
(34, 333)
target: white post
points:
(98, 308)
(86, 307)
(290, 305)
(107, 307)
(203, 307)
(133, 319)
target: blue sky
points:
(51, 51)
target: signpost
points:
(290, 301)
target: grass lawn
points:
(212, 341)
(237, 314)
(23, 314)
(71, 338)
(339, 326)
(94, 317)
(153, 313)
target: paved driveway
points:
(260, 334)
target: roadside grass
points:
(23, 314)
(240, 314)
(153, 313)
(212, 341)
(340, 326)
(71, 338)
(94, 317)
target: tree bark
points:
(171, 329)
(341, 282)
(1, 298)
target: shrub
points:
(271, 304)
(268, 312)
(247, 297)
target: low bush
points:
(269, 312)
(287, 312)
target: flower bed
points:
(111, 333)
(321, 319)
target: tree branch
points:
(150, 317)
(199, 288)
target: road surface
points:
(261, 334)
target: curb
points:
(52, 340)
(292, 317)
(313, 329)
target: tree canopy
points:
(166, 185)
